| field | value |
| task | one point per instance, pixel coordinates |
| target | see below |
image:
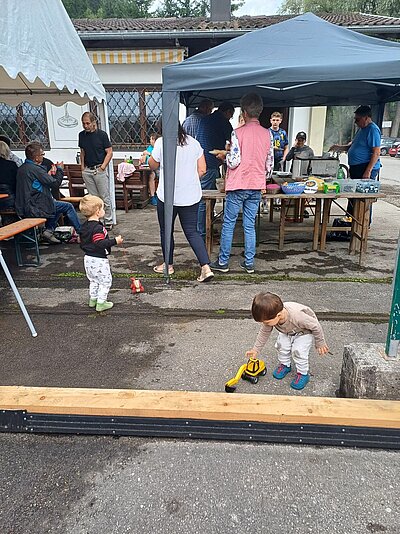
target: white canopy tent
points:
(42, 59)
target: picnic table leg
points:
(17, 295)
(282, 223)
(366, 209)
(271, 210)
(325, 219)
(355, 227)
(317, 223)
(209, 226)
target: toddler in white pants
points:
(97, 246)
(298, 328)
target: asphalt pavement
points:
(191, 336)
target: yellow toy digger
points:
(249, 371)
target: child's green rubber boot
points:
(92, 303)
(103, 306)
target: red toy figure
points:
(136, 285)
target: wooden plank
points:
(203, 405)
(10, 230)
(72, 200)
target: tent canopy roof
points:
(318, 64)
(42, 58)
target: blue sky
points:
(259, 7)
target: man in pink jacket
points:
(249, 161)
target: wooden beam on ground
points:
(203, 406)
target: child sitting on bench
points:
(298, 328)
(144, 159)
(97, 246)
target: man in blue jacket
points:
(33, 194)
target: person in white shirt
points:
(190, 166)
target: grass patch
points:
(251, 278)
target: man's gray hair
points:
(90, 115)
(252, 104)
(4, 150)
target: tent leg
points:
(17, 295)
(103, 115)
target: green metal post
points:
(393, 337)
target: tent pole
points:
(17, 295)
(103, 115)
(170, 118)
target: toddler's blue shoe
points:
(281, 371)
(153, 200)
(300, 381)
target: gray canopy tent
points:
(317, 64)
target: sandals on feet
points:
(205, 277)
(159, 269)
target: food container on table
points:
(281, 177)
(332, 188)
(311, 187)
(367, 186)
(273, 189)
(295, 188)
(347, 186)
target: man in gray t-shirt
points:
(96, 153)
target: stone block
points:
(366, 374)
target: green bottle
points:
(340, 174)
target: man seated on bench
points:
(33, 195)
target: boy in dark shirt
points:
(97, 246)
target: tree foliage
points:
(189, 8)
(389, 8)
(103, 9)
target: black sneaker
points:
(248, 268)
(216, 266)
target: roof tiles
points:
(236, 23)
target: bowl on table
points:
(282, 177)
(273, 189)
(295, 188)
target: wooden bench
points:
(72, 200)
(76, 185)
(23, 231)
(131, 193)
(134, 189)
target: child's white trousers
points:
(99, 275)
(297, 346)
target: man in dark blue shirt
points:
(214, 132)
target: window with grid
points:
(133, 115)
(23, 124)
